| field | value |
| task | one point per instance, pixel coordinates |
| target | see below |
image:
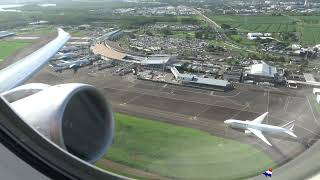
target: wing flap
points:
(259, 135)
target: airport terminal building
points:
(199, 82)
(157, 62)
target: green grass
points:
(256, 23)
(77, 33)
(179, 152)
(308, 27)
(9, 47)
(243, 41)
(43, 31)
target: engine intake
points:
(74, 116)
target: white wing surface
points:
(260, 118)
(19, 72)
(259, 135)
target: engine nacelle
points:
(74, 116)
(247, 132)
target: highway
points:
(221, 33)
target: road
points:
(221, 33)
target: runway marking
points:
(285, 108)
(232, 101)
(300, 113)
(165, 85)
(224, 97)
(173, 98)
(211, 93)
(202, 111)
(132, 99)
(314, 117)
(195, 92)
(268, 102)
(131, 86)
(309, 130)
(200, 103)
(183, 118)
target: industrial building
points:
(157, 62)
(199, 82)
(4, 34)
(113, 35)
(261, 72)
(309, 77)
(209, 83)
(253, 36)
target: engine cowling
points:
(74, 116)
(247, 132)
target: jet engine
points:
(247, 132)
(74, 116)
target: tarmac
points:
(206, 110)
(201, 109)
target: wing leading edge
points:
(259, 135)
(259, 119)
(19, 72)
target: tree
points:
(166, 32)
(198, 34)
(149, 33)
(225, 26)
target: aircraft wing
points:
(260, 118)
(19, 72)
(260, 135)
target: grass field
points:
(9, 47)
(43, 31)
(178, 152)
(307, 27)
(257, 23)
(77, 33)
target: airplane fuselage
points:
(238, 124)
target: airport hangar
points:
(261, 72)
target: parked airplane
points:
(65, 56)
(75, 65)
(256, 127)
(67, 49)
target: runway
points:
(206, 110)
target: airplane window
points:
(167, 89)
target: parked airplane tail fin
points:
(289, 127)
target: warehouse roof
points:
(156, 60)
(205, 81)
(211, 81)
(108, 35)
(309, 77)
(263, 69)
